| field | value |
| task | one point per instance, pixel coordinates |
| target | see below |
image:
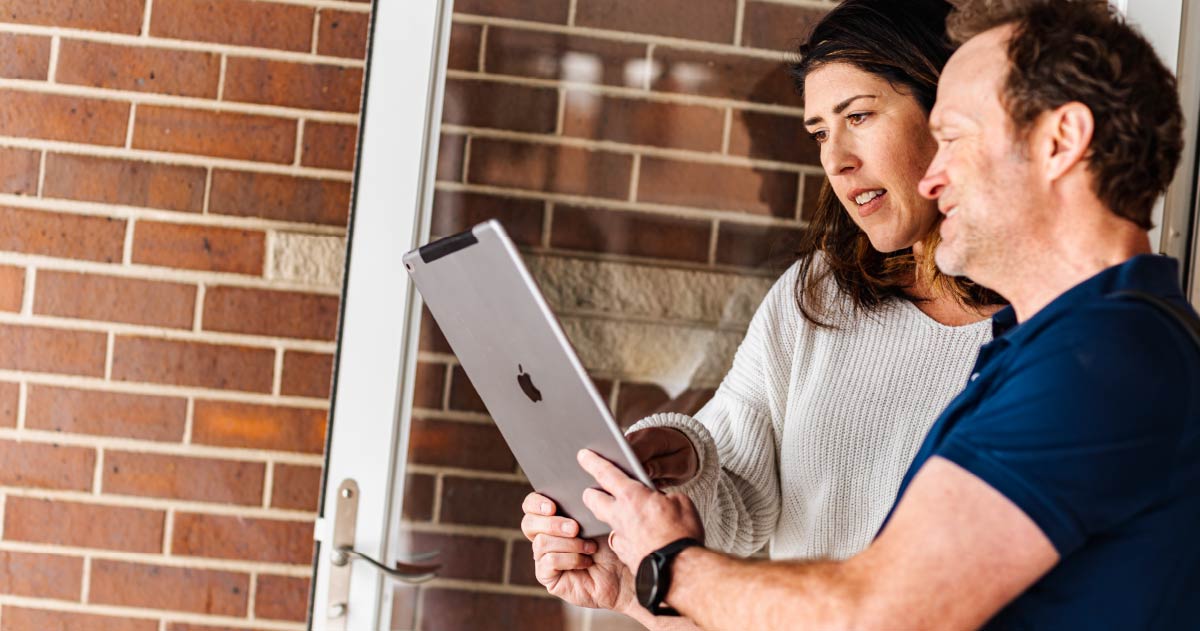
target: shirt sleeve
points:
(1081, 430)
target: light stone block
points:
(577, 286)
(675, 357)
(308, 259)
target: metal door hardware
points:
(343, 552)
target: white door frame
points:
(373, 385)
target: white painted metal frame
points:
(380, 311)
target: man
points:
(1061, 488)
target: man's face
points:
(979, 177)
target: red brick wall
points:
(651, 134)
(163, 379)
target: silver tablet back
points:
(512, 348)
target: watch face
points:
(647, 581)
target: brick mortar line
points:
(41, 183)
(3, 504)
(153, 389)
(168, 531)
(800, 193)
(30, 288)
(435, 511)
(277, 377)
(813, 4)
(268, 484)
(98, 474)
(189, 421)
(145, 32)
(488, 588)
(447, 378)
(739, 23)
(198, 310)
(109, 342)
(299, 143)
(609, 146)
(251, 594)
(179, 102)
(268, 265)
(147, 503)
(140, 613)
(127, 245)
(685, 212)
(625, 36)
(52, 68)
(727, 130)
(221, 69)
(86, 579)
(173, 159)
(167, 43)
(150, 273)
(460, 472)
(605, 257)
(122, 211)
(356, 7)
(453, 416)
(712, 241)
(508, 556)
(175, 335)
(130, 126)
(22, 405)
(208, 178)
(635, 93)
(547, 224)
(316, 30)
(481, 63)
(630, 318)
(495, 532)
(635, 173)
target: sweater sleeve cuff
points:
(702, 489)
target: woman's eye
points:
(857, 117)
(818, 136)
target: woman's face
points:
(875, 146)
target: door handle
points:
(342, 552)
(403, 572)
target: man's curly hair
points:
(1064, 51)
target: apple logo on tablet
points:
(526, 383)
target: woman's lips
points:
(870, 207)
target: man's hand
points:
(643, 520)
(578, 571)
(666, 454)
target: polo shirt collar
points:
(1151, 273)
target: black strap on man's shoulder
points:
(1185, 318)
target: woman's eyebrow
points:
(839, 108)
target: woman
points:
(851, 355)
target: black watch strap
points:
(667, 554)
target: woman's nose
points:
(840, 159)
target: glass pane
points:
(650, 162)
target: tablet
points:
(514, 351)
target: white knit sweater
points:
(808, 437)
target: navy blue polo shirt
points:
(1087, 417)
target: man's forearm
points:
(720, 593)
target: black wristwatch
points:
(654, 576)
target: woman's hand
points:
(579, 571)
(666, 454)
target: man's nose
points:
(934, 182)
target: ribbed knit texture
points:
(808, 437)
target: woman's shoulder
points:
(806, 281)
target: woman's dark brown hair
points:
(904, 43)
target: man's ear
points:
(1066, 137)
